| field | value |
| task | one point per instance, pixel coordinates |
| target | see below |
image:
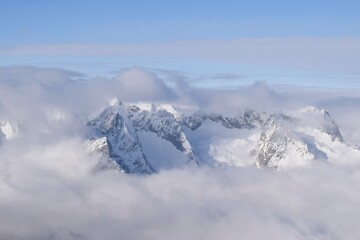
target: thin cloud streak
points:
(313, 54)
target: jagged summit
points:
(249, 119)
(113, 134)
(152, 107)
(298, 138)
(117, 133)
(281, 146)
(312, 117)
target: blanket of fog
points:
(50, 187)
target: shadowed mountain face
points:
(146, 138)
(113, 134)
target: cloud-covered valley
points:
(51, 185)
(49, 197)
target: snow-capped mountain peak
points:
(122, 143)
(281, 146)
(312, 117)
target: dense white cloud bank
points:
(51, 193)
(50, 186)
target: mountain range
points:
(145, 138)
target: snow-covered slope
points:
(299, 137)
(163, 120)
(320, 119)
(281, 146)
(112, 134)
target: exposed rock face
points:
(163, 122)
(280, 145)
(249, 120)
(113, 135)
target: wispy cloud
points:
(338, 55)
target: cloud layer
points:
(56, 196)
(50, 189)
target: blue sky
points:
(81, 26)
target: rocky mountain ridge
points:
(145, 138)
(285, 139)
